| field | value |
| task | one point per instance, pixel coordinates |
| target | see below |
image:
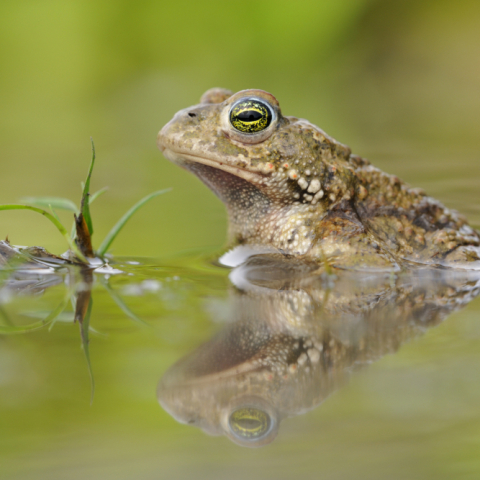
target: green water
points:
(401, 401)
(396, 81)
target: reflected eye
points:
(249, 423)
(250, 116)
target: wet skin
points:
(289, 186)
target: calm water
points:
(354, 376)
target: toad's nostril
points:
(191, 114)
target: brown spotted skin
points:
(294, 188)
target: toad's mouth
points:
(184, 158)
(233, 185)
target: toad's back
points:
(288, 186)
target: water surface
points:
(352, 376)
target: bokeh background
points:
(397, 81)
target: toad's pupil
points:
(250, 116)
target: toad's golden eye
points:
(250, 116)
(249, 423)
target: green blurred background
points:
(397, 81)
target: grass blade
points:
(6, 318)
(120, 224)
(52, 211)
(95, 195)
(84, 326)
(59, 226)
(54, 202)
(85, 207)
(121, 304)
(10, 329)
(73, 232)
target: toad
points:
(289, 186)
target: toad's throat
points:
(239, 189)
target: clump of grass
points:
(80, 245)
(80, 238)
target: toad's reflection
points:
(294, 338)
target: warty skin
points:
(292, 187)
